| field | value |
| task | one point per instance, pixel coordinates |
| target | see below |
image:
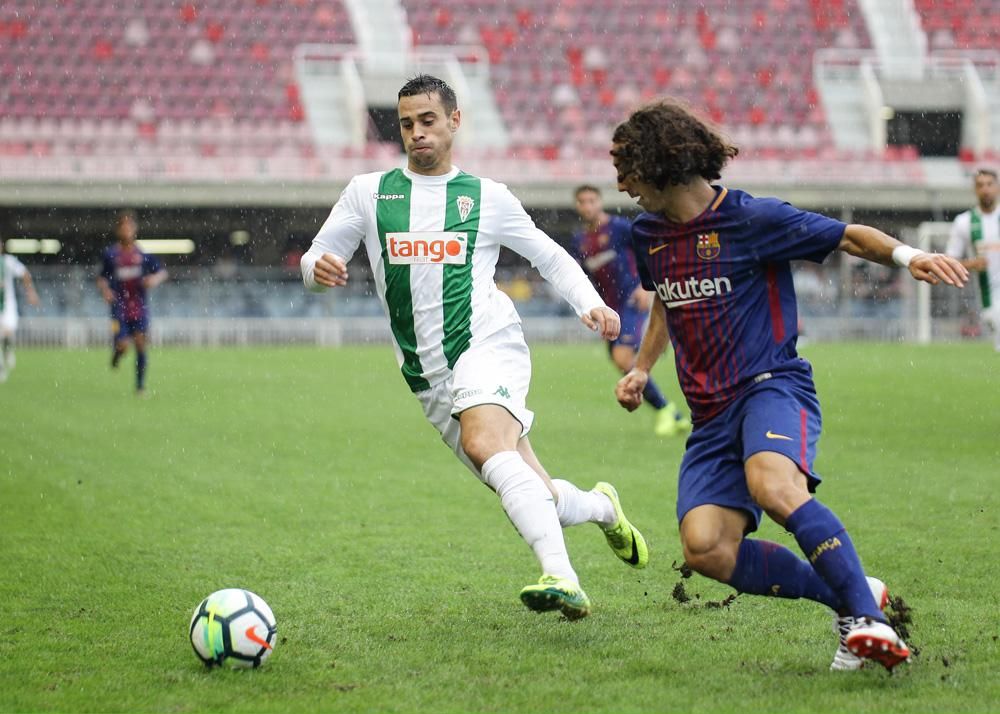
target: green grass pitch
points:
(310, 477)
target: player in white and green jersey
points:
(11, 268)
(975, 239)
(433, 235)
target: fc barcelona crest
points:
(708, 246)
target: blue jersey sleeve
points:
(150, 264)
(107, 265)
(788, 233)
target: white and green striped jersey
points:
(974, 233)
(433, 244)
(10, 268)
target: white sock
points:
(575, 506)
(528, 504)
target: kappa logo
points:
(708, 245)
(465, 205)
(435, 247)
(503, 392)
(388, 196)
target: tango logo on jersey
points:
(685, 292)
(439, 247)
(465, 204)
(708, 246)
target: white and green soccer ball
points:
(233, 627)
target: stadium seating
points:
(206, 89)
(948, 26)
(565, 71)
(108, 77)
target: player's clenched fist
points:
(330, 270)
(628, 391)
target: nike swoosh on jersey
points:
(771, 435)
(657, 248)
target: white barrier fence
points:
(332, 332)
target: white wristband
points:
(903, 254)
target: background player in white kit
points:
(975, 239)
(433, 235)
(11, 268)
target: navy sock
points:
(827, 546)
(766, 568)
(140, 369)
(653, 395)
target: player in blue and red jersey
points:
(604, 249)
(126, 274)
(719, 261)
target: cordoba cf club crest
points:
(708, 246)
(465, 204)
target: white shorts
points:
(8, 319)
(495, 370)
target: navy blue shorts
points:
(124, 329)
(633, 324)
(779, 414)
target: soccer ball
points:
(233, 627)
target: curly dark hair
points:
(666, 144)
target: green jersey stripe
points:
(393, 215)
(461, 215)
(976, 235)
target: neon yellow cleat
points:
(555, 593)
(666, 422)
(669, 422)
(625, 539)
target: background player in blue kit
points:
(604, 249)
(719, 261)
(126, 274)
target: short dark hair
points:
(586, 188)
(983, 171)
(126, 214)
(428, 84)
(666, 144)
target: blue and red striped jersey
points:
(725, 280)
(606, 255)
(124, 271)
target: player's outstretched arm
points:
(874, 245)
(154, 279)
(29, 289)
(629, 389)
